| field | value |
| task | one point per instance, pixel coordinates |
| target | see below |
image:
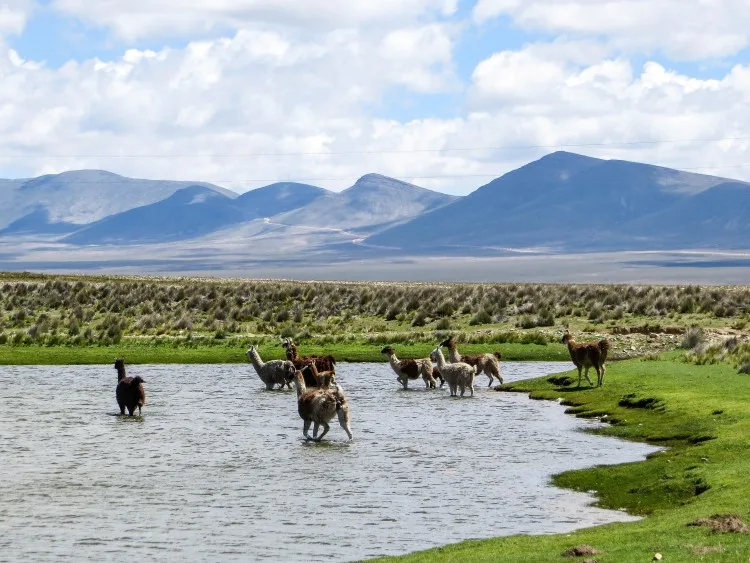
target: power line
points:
(388, 151)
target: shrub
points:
(443, 324)
(693, 337)
(183, 324)
(420, 319)
(480, 318)
(545, 318)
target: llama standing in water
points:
(274, 372)
(129, 392)
(410, 369)
(587, 355)
(458, 375)
(319, 406)
(322, 363)
(487, 363)
(313, 378)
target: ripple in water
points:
(216, 469)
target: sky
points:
(446, 94)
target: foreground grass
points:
(701, 414)
(234, 352)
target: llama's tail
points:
(604, 348)
(340, 398)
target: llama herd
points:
(320, 398)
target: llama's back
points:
(319, 405)
(458, 373)
(277, 372)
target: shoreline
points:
(698, 414)
(233, 352)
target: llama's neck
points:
(571, 344)
(255, 359)
(299, 383)
(291, 353)
(440, 358)
(393, 360)
(453, 354)
(120, 373)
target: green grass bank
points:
(700, 414)
(180, 352)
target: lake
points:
(217, 469)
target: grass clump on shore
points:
(693, 495)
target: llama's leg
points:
(139, 410)
(586, 373)
(599, 375)
(306, 429)
(316, 426)
(122, 408)
(580, 368)
(471, 388)
(326, 428)
(131, 410)
(343, 415)
(405, 382)
(604, 369)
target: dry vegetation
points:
(52, 310)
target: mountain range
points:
(563, 202)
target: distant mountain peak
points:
(373, 182)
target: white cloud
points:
(223, 109)
(13, 16)
(695, 30)
(256, 92)
(139, 18)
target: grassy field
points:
(701, 415)
(59, 318)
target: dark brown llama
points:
(587, 355)
(129, 392)
(322, 363)
(313, 378)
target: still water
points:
(217, 470)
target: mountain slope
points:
(193, 212)
(561, 201)
(277, 198)
(84, 196)
(188, 213)
(372, 201)
(718, 217)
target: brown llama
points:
(410, 369)
(489, 363)
(587, 355)
(129, 392)
(436, 375)
(322, 363)
(319, 406)
(314, 378)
